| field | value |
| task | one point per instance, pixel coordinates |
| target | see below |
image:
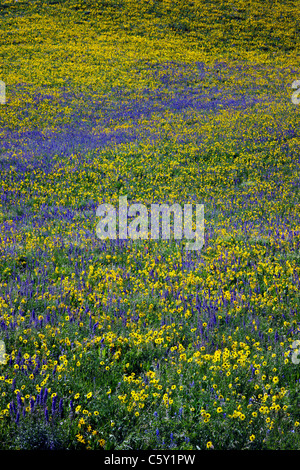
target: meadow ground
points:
(123, 344)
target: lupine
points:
(45, 396)
(54, 403)
(31, 404)
(12, 408)
(60, 407)
(71, 405)
(46, 415)
(19, 400)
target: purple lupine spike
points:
(31, 404)
(46, 415)
(54, 400)
(45, 396)
(19, 401)
(71, 405)
(17, 418)
(60, 407)
(11, 408)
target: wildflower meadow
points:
(142, 344)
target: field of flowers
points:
(123, 344)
